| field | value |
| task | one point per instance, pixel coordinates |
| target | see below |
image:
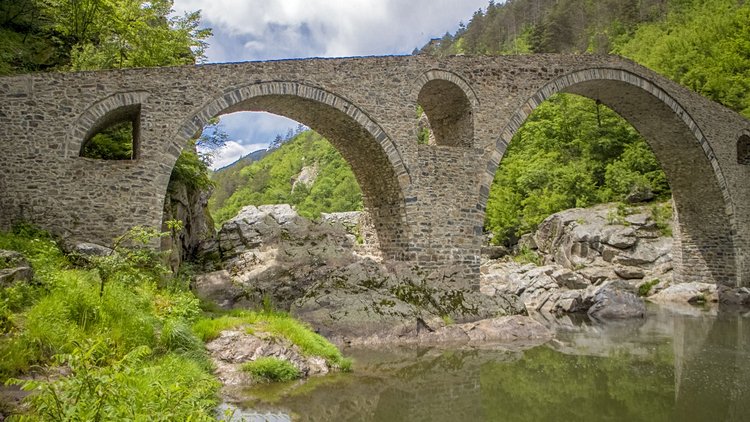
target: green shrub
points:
(272, 369)
(527, 256)
(130, 388)
(178, 337)
(645, 288)
(662, 215)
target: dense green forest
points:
(271, 180)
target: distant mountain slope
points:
(324, 181)
(227, 178)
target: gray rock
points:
(506, 329)
(569, 279)
(619, 237)
(237, 346)
(640, 219)
(84, 253)
(734, 296)
(217, 287)
(611, 304)
(597, 274)
(527, 241)
(687, 293)
(570, 301)
(629, 273)
(494, 251)
(509, 330)
(91, 249)
(591, 237)
(14, 268)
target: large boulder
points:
(693, 293)
(312, 269)
(14, 268)
(270, 253)
(369, 300)
(610, 303)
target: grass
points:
(527, 256)
(272, 369)
(645, 288)
(134, 349)
(276, 323)
(131, 352)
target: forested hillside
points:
(330, 184)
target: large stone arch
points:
(362, 142)
(705, 229)
(449, 103)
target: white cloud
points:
(231, 152)
(262, 29)
(279, 29)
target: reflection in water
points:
(712, 373)
(670, 367)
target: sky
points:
(248, 30)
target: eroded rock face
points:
(600, 244)
(314, 270)
(189, 205)
(272, 253)
(367, 299)
(589, 256)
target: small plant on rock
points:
(272, 369)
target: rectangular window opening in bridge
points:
(115, 136)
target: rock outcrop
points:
(189, 205)
(272, 256)
(593, 260)
(607, 242)
(237, 346)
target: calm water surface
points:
(674, 366)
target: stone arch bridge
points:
(427, 201)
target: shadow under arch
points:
(448, 101)
(368, 149)
(703, 247)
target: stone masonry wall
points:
(426, 201)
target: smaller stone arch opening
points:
(743, 150)
(447, 115)
(115, 136)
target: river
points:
(676, 365)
